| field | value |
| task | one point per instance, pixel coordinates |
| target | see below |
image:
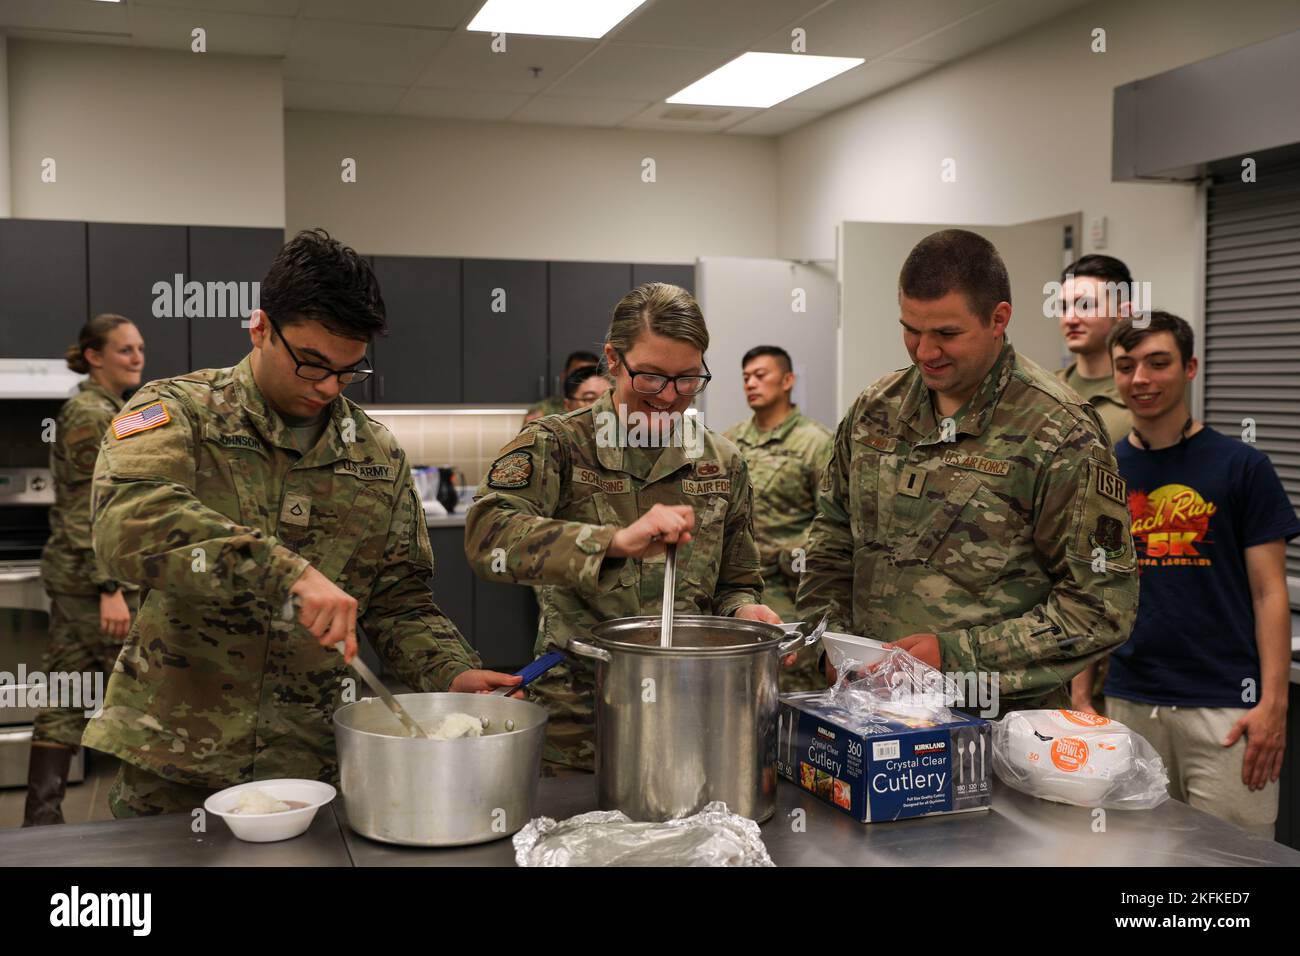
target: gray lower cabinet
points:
(498, 620)
(503, 321)
(453, 581)
(1288, 809)
(231, 262)
(42, 286)
(132, 270)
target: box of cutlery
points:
(879, 768)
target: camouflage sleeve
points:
(510, 534)
(411, 634)
(79, 436)
(1083, 542)
(739, 581)
(815, 462)
(151, 529)
(826, 585)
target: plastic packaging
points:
(1084, 759)
(713, 837)
(896, 685)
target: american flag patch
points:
(141, 420)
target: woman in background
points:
(90, 614)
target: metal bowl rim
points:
(340, 725)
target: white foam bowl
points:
(270, 827)
(849, 647)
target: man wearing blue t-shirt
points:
(1204, 676)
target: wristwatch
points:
(109, 587)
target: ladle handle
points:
(670, 592)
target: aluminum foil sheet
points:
(713, 837)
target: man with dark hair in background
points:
(1096, 292)
(786, 452)
(971, 513)
(1204, 676)
(554, 404)
(265, 515)
(583, 386)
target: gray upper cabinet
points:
(220, 255)
(42, 287)
(419, 360)
(582, 298)
(125, 262)
(503, 320)
(683, 275)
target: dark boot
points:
(47, 781)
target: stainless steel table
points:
(1017, 831)
(168, 841)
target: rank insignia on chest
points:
(296, 510)
(879, 442)
(150, 416)
(514, 470)
(707, 469)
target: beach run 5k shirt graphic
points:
(1195, 508)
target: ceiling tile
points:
(872, 28)
(442, 14)
(341, 97)
(579, 111)
(75, 18)
(720, 25)
(466, 62)
(775, 121)
(703, 119)
(460, 104)
(360, 53)
(638, 73)
(990, 26)
(857, 84)
(167, 28)
(283, 8)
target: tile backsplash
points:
(465, 438)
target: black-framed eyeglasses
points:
(319, 373)
(652, 383)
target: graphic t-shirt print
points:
(1171, 526)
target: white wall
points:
(1029, 124)
(516, 191)
(145, 135)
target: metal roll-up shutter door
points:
(1252, 318)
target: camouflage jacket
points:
(1010, 542)
(1103, 395)
(785, 466)
(556, 495)
(213, 509)
(550, 405)
(68, 564)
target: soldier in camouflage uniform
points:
(89, 612)
(554, 404)
(578, 507)
(972, 512)
(227, 491)
(785, 452)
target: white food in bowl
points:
(235, 806)
(457, 725)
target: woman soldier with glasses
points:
(583, 506)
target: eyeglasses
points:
(652, 383)
(319, 373)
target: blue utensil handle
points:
(538, 667)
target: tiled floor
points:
(85, 802)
